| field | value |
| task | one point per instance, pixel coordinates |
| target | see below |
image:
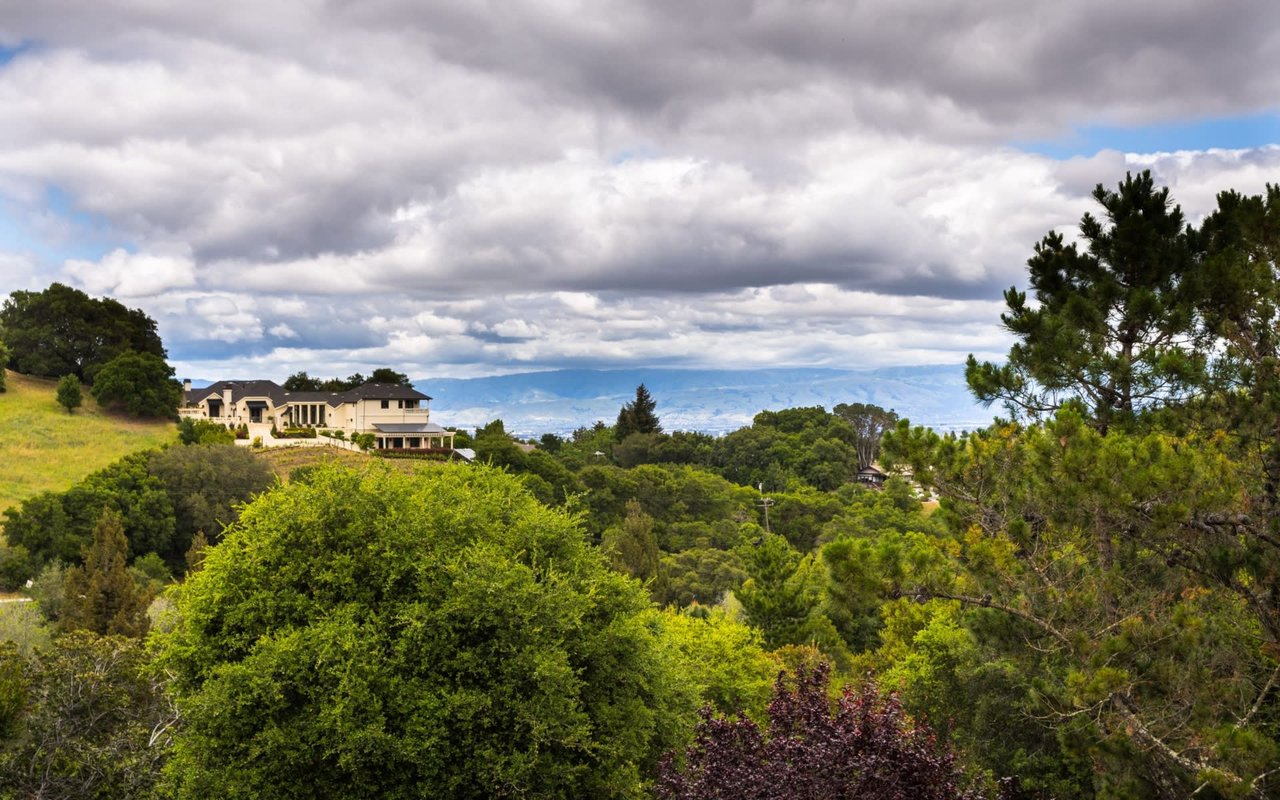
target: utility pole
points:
(765, 502)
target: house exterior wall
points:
(350, 417)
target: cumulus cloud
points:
(131, 275)
(463, 188)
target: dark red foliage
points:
(865, 748)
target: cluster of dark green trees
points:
(302, 382)
(63, 333)
(163, 501)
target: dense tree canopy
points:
(94, 722)
(442, 634)
(163, 498)
(206, 484)
(140, 383)
(4, 362)
(61, 331)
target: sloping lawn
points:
(43, 447)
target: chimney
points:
(186, 384)
(226, 402)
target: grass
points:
(284, 460)
(42, 447)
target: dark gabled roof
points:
(239, 390)
(279, 395)
(383, 391)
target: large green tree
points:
(61, 330)
(442, 634)
(638, 416)
(59, 525)
(869, 422)
(4, 362)
(1117, 558)
(206, 484)
(140, 383)
(1112, 325)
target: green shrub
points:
(16, 567)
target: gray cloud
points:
(517, 184)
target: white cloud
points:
(130, 275)
(458, 190)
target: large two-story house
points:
(397, 416)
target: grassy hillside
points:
(284, 460)
(43, 447)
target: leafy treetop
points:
(141, 383)
(433, 635)
(866, 747)
(302, 382)
(62, 331)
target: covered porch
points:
(420, 437)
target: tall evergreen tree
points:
(4, 361)
(1112, 326)
(101, 595)
(638, 416)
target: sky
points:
(497, 186)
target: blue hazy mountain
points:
(714, 401)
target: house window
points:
(386, 404)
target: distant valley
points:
(714, 401)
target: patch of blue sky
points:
(638, 153)
(8, 52)
(1227, 133)
(56, 231)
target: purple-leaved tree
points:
(863, 746)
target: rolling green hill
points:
(43, 447)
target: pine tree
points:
(100, 594)
(1113, 326)
(638, 416)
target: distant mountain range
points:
(713, 401)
